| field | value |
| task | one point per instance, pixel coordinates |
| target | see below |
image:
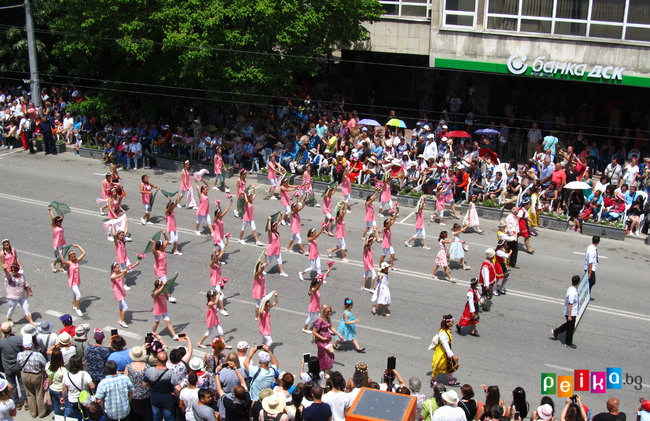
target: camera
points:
(574, 399)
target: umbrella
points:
(577, 185)
(491, 155)
(457, 133)
(369, 122)
(397, 123)
(487, 131)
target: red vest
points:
(491, 271)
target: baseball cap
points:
(265, 357)
(242, 345)
(66, 319)
(99, 335)
(28, 341)
(645, 405)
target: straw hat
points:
(273, 404)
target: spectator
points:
(10, 346)
(96, 357)
(75, 382)
(114, 393)
(358, 381)
(414, 386)
(7, 405)
(32, 365)
(450, 411)
(262, 377)
(134, 153)
(68, 327)
(80, 340)
(161, 381)
(44, 337)
(201, 409)
(433, 403)
(119, 354)
(56, 370)
(318, 410)
(189, 396)
(272, 409)
(468, 404)
(612, 414)
(141, 402)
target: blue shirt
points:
(546, 172)
(378, 150)
(317, 412)
(121, 358)
(114, 391)
(629, 198)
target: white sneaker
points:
(101, 212)
(259, 243)
(264, 272)
(172, 299)
(224, 312)
(306, 331)
(317, 205)
(135, 168)
(407, 244)
(283, 222)
(284, 275)
(127, 288)
(442, 224)
(329, 253)
(197, 232)
(195, 207)
(236, 213)
(143, 221)
(110, 238)
(227, 190)
(274, 198)
(214, 188)
(178, 253)
(300, 276)
(242, 242)
(79, 313)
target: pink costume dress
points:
(440, 201)
(295, 224)
(215, 276)
(340, 230)
(160, 265)
(346, 187)
(326, 359)
(59, 238)
(441, 257)
(160, 305)
(327, 206)
(386, 242)
(186, 186)
(73, 275)
(285, 199)
(204, 205)
(368, 263)
(259, 287)
(248, 211)
(218, 229)
(218, 164)
(370, 213)
(120, 252)
(471, 219)
(273, 249)
(314, 302)
(241, 186)
(146, 198)
(313, 250)
(271, 167)
(170, 220)
(106, 189)
(264, 323)
(118, 289)
(385, 193)
(419, 220)
(212, 317)
(10, 258)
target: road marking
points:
(389, 332)
(57, 314)
(406, 217)
(52, 259)
(9, 153)
(557, 367)
(100, 173)
(582, 254)
(123, 332)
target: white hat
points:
(196, 364)
(242, 345)
(430, 136)
(340, 153)
(28, 341)
(264, 357)
(389, 143)
(384, 265)
(450, 397)
(273, 404)
(489, 253)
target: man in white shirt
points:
(337, 399)
(570, 313)
(431, 148)
(534, 136)
(631, 172)
(135, 153)
(358, 380)
(591, 260)
(451, 411)
(613, 172)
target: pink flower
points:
(296, 193)
(225, 279)
(217, 202)
(330, 264)
(228, 195)
(324, 224)
(140, 256)
(129, 267)
(227, 235)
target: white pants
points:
(346, 198)
(267, 340)
(76, 292)
(12, 306)
(389, 203)
(328, 216)
(287, 210)
(277, 257)
(165, 317)
(217, 289)
(190, 197)
(247, 223)
(220, 245)
(370, 224)
(273, 181)
(173, 236)
(205, 218)
(389, 250)
(296, 238)
(257, 303)
(124, 265)
(419, 232)
(147, 208)
(370, 273)
(312, 315)
(342, 244)
(441, 213)
(314, 264)
(122, 305)
(208, 332)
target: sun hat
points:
(65, 338)
(340, 153)
(81, 332)
(3, 384)
(273, 404)
(489, 253)
(545, 411)
(6, 327)
(196, 364)
(45, 327)
(242, 345)
(502, 223)
(28, 330)
(137, 353)
(450, 396)
(384, 265)
(265, 393)
(265, 357)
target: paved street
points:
(513, 347)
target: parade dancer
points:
(457, 246)
(507, 231)
(273, 168)
(186, 186)
(9, 256)
(502, 254)
(370, 217)
(323, 331)
(470, 315)
(295, 225)
(160, 308)
(170, 222)
(145, 192)
(259, 283)
(307, 187)
(523, 216)
(340, 232)
(440, 203)
(212, 318)
(74, 280)
(382, 293)
(385, 197)
(241, 191)
(285, 199)
(203, 212)
(118, 286)
(116, 222)
(160, 261)
(115, 179)
(327, 208)
(346, 187)
(219, 171)
(348, 327)
(471, 219)
(314, 299)
(314, 255)
(368, 265)
(218, 231)
(419, 225)
(264, 321)
(273, 250)
(441, 258)
(444, 360)
(58, 239)
(107, 185)
(216, 280)
(387, 245)
(17, 291)
(248, 217)
(487, 277)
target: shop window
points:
(541, 8)
(536, 26)
(605, 31)
(608, 10)
(408, 9)
(638, 12)
(637, 34)
(572, 9)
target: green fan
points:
(60, 208)
(332, 185)
(259, 259)
(274, 218)
(155, 238)
(385, 177)
(168, 194)
(64, 250)
(419, 202)
(337, 208)
(169, 285)
(153, 198)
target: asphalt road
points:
(513, 348)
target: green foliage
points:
(96, 104)
(489, 203)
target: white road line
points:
(389, 332)
(557, 367)
(57, 314)
(123, 332)
(51, 258)
(582, 254)
(406, 217)
(9, 153)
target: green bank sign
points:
(541, 66)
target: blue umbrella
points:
(369, 122)
(487, 131)
(396, 123)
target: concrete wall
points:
(398, 36)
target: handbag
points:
(452, 365)
(47, 398)
(47, 382)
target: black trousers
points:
(569, 327)
(514, 247)
(592, 280)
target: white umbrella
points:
(577, 185)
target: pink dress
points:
(215, 275)
(370, 213)
(327, 205)
(264, 322)
(73, 274)
(326, 359)
(259, 287)
(218, 164)
(160, 264)
(146, 198)
(120, 252)
(346, 187)
(212, 316)
(295, 224)
(314, 302)
(271, 167)
(385, 192)
(471, 219)
(313, 250)
(248, 211)
(386, 243)
(217, 231)
(273, 249)
(241, 186)
(284, 198)
(112, 211)
(170, 220)
(441, 257)
(368, 263)
(118, 289)
(340, 229)
(106, 188)
(306, 181)
(186, 180)
(204, 205)
(440, 201)
(59, 238)
(419, 220)
(10, 258)
(160, 305)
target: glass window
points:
(461, 5)
(459, 20)
(542, 8)
(638, 12)
(502, 24)
(572, 9)
(504, 7)
(538, 26)
(571, 28)
(415, 11)
(608, 10)
(407, 8)
(390, 9)
(605, 31)
(637, 34)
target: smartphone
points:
(306, 357)
(113, 332)
(392, 362)
(182, 335)
(260, 347)
(149, 338)
(516, 418)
